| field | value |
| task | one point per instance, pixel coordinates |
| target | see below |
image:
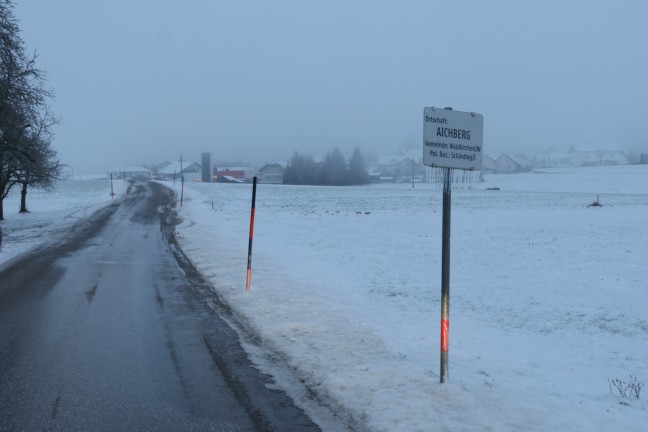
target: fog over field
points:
(253, 81)
(548, 326)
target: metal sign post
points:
(445, 273)
(451, 140)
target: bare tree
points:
(42, 168)
(23, 105)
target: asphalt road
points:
(109, 330)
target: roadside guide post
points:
(248, 277)
(451, 140)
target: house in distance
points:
(272, 173)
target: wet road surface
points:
(109, 331)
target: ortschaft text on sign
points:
(452, 139)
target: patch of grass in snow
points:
(630, 389)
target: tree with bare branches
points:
(26, 156)
(41, 169)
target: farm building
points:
(400, 167)
(488, 165)
(243, 173)
(505, 164)
(594, 155)
(547, 159)
(272, 173)
(173, 170)
(127, 172)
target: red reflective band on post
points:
(252, 223)
(445, 328)
(248, 276)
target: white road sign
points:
(452, 139)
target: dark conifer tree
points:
(357, 172)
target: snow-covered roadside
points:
(548, 296)
(50, 212)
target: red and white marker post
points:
(249, 263)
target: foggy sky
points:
(140, 81)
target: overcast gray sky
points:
(141, 81)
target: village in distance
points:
(405, 166)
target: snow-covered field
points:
(50, 212)
(548, 296)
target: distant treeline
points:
(332, 171)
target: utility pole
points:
(412, 172)
(181, 181)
